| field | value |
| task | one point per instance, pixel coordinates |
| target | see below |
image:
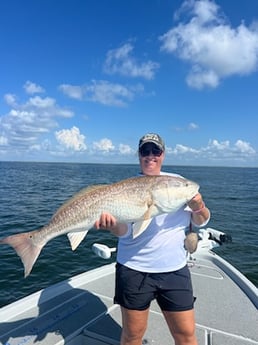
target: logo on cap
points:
(152, 138)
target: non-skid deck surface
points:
(82, 313)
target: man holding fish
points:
(150, 214)
(151, 259)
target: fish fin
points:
(91, 188)
(25, 248)
(76, 237)
(139, 227)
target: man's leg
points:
(182, 326)
(134, 326)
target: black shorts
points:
(135, 290)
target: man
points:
(153, 265)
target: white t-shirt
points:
(160, 248)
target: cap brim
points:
(160, 146)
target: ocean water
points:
(31, 192)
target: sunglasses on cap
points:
(146, 151)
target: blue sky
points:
(82, 81)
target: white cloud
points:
(22, 127)
(193, 126)
(71, 139)
(120, 61)
(10, 99)
(104, 145)
(190, 127)
(108, 93)
(215, 144)
(198, 78)
(72, 91)
(32, 88)
(214, 49)
(244, 147)
(125, 149)
(39, 102)
(103, 92)
(225, 151)
(216, 152)
(181, 149)
(3, 141)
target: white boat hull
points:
(80, 311)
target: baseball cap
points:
(152, 138)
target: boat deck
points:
(80, 311)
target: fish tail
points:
(25, 247)
(191, 242)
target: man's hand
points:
(106, 221)
(200, 213)
(196, 203)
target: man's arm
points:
(200, 213)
